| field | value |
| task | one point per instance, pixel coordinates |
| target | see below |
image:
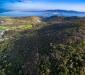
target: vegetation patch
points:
(22, 27)
(4, 27)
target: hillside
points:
(53, 46)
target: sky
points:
(9, 7)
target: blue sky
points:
(11, 6)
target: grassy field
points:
(22, 27)
(3, 27)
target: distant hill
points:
(44, 13)
(65, 13)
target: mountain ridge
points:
(45, 13)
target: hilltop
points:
(19, 21)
